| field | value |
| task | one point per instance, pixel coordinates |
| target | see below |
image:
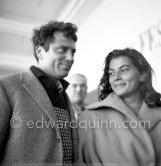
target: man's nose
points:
(69, 56)
(78, 88)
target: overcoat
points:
(29, 130)
(111, 134)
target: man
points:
(35, 111)
(77, 92)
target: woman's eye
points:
(125, 70)
(111, 73)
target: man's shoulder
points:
(10, 77)
(10, 82)
(13, 78)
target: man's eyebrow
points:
(68, 47)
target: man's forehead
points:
(61, 40)
(61, 35)
(77, 80)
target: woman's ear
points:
(39, 52)
(142, 77)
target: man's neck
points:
(47, 72)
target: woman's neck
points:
(134, 102)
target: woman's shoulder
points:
(89, 114)
(105, 109)
(150, 114)
(156, 113)
(109, 101)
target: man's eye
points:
(61, 50)
(74, 85)
(73, 51)
(82, 85)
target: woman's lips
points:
(119, 85)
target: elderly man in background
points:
(77, 91)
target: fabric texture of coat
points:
(111, 134)
(29, 133)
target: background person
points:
(77, 91)
(39, 95)
(126, 95)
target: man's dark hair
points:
(44, 35)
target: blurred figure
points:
(35, 111)
(124, 127)
(77, 91)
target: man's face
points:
(77, 89)
(58, 60)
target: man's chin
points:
(64, 74)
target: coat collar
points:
(153, 115)
(63, 84)
(115, 102)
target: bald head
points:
(77, 89)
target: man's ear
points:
(39, 50)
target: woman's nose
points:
(117, 76)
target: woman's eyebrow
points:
(121, 67)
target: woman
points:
(124, 127)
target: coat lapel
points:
(39, 95)
(74, 129)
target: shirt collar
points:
(61, 84)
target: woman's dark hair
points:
(150, 96)
(44, 35)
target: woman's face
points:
(124, 77)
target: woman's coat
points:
(111, 134)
